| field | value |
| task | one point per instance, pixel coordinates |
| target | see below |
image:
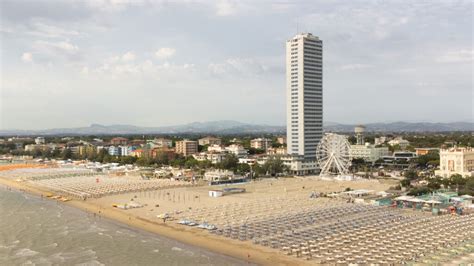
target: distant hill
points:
(214, 127)
(403, 127)
(224, 127)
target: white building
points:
(42, 147)
(210, 141)
(276, 151)
(456, 161)
(368, 152)
(380, 140)
(403, 143)
(261, 143)
(162, 143)
(298, 165)
(218, 175)
(214, 158)
(237, 150)
(304, 83)
(216, 148)
(248, 160)
(125, 150)
(114, 150)
(39, 140)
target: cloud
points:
(63, 46)
(50, 51)
(129, 56)
(85, 70)
(27, 57)
(42, 29)
(460, 56)
(242, 66)
(119, 5)
(165, 52)
(115, 67)
(225, 8)
(355, 66)
(369, 46)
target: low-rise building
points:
(425, 151)
(124, 150)
(403, 143)
(86, 149)
(399, 157)
(237, 149)
(41, 147)
(162, 142)
(368, 152)
(298, 166)
(118, 141)
(249, 160)
(456, 161)
(137, 153)
(276, 151)
(166, 152)
(187, 147)
(281, 140)
(216, 148)
(214, 158)
(114, 150)
(261, 143)
(380, 140)
(40, 140)
(218, 175)
(210, 141)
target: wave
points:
(25, 252)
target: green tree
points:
(431, 158)
(405, 183)
(144, 161)
(357, 164)
(190, 162)
(128, 159)
(457, 180)
(394, 148)
(229, 162)
(352, 140)
(101, 154)
(411, 174)
(253, 151)
(258, 170)
(418, 191)
(162, 158)
(243, 168)
(274, 166)
(66, 154)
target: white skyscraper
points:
(304, 93)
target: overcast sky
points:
(154, 63)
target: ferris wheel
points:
(333, 154)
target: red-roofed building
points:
(119, 141)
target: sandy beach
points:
(274, 222)
(101, 207)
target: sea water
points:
(35, 231)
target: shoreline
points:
(232, 248)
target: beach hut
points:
(434, 204)
(215, 193)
